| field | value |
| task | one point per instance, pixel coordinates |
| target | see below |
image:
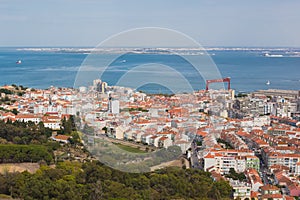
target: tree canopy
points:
(92, 180)
(24, 132)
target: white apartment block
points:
(221, 162)
(288, 160)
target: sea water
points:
(249, 69)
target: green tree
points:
(68, 125)
(15, 111)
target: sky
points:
(210, 22)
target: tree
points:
(104, 129)
(67, 126)
(15, 111)
(234, 175)
(220, 190)
(96, 190)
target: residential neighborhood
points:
(250, 140)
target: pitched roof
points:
(269, 187)
(267, 196)
(61, 137)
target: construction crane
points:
(221, 80)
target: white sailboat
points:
(268, 82)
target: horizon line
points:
(204, 46)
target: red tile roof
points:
(61, 137)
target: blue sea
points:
(249, 69)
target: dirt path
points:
(175, 163)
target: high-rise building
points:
(103, 87)
(97, 84)
(115, 107)
(298, 105)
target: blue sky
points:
(210, 22)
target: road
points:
(194, 158)
(262, 168)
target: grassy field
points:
(129, 148)
(19, 167)
(4, 196)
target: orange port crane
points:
(222, 80)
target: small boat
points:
(18, 61)
(123, 61)
(268, 82)
(273, 55)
